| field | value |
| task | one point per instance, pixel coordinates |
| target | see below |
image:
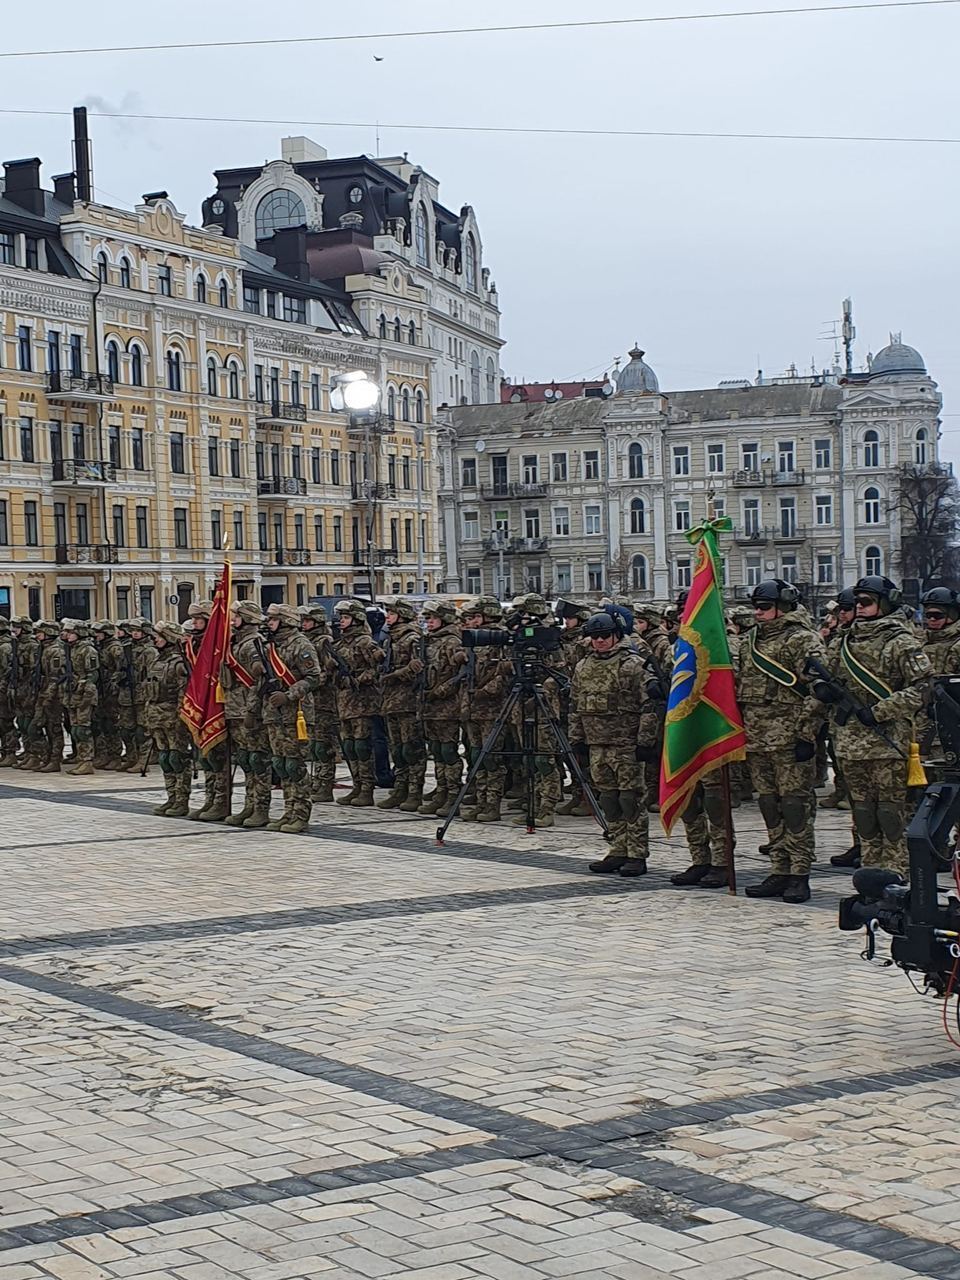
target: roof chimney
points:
(82, 159)
(151, 197)
(65, 188)
(22, 184)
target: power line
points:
(502, 129)
(470, 31)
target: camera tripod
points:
(527, 691)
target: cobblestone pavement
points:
(355, 1054)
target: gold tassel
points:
(219, 694)
(916, 777)
(302, 734)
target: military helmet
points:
(489, 606)
(138, 623)
(777, 592)
(24, 622)
(741, 616)
(4, 623)
(887, 592)
(171, 632)
(48, 627)
(648, 613)
(248, 611)
(200, 609)
(942, 598)
(402, 607)
(317, 614)
(441, 609)
(847, 600)
(76, 626)
(104, 627)
(531, 605)
(287, 613)
(354, 608)
(600, 624)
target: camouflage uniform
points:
(358, 698)
(242, 681)
(215, 765)
(611, 712)
(80, 690)
(166, 683)
(8, 732)
(489, 675)
(658, 651)
(782, 722)
(107, 742)
(533, 608)
(445, 661)
(400, 686)
(281, 707)
(139, 656)
(942, 649)
(874, 773)
(325, 730)
(46, 726)
(23, 687)
(573, 646)
(741, 619)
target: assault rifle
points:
(827, 688)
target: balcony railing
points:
(365, 490)
(87, 554)
(282, 487)
(791, 476)
(81, 471)
(758, 535)
(277, 412)
(293, 556)
(387, 559)
(747, 479)
(79, 386)
(790, 533)
(516, 489)
(515, 546)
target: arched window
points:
(201, 287)
(224, 294)
(136, 366)
(382, 325)
(412, 334)
(920, 449)
(873, 562)
(420, 235)
(212, 388)
(635, 461)
(233, 375)
(125, 273)
(277, 210)
(405, 404)
(113, 362)
(638, 516)
(102, 275)
(419, 406)
(470, 263)
(871, 505)
(639, 573)
(491, 380)
(397, 330)
(474, 377)
(174, 371)
(871, 449)
(391, 403)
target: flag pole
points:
(726, 800)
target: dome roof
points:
(637, 375)
(897, 358)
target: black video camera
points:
(524, 638)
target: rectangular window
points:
(318, 533)
(595, 577)
(822, 454)
(750, 456)
(113, 445)
(213, 455)
(296, 462)
(591, 519)
(24, 350)
(164, 280)
(786, 458)
(405, 471)
(299, 536)
(180, 527)
(558, 467)
(825, 571)
(238, 538)
(591, 464)
(751, 515)
(531, 523)
(561, 522)
(258, 383)
(294, 310)
(53, 351)
(143, 531)
(501, 522)
(262, 530)
(355, 533)
(314, 391)
(235, 458)
(394, 534)
(334, 466)
(32, 253)
(8, 248)
(136, 440)
(392, 470)
(30, 530)
(261, 460)
(76, 355)
(177, 461)
(316, 474)
(26, 440)
(683, 572)
(83, 524)
(471, 524)
(824, 509)
(468, 473)
(123, 602)
(474, 581)
(530, 468)
(146, 603)
(271, 304)
(294, 386)
(275, 460)
(119, 525)
(4, 524)
(338, 533)
(753, 571)
(408, 536)
(788, 517)
(60, 523)
(216, 529)
(715, 461)
(78, 440)
(719, 508)
(789, 570)
(681, 516)
(681, 459)
(251, 299)
(564, 577)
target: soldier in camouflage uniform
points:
(358, 697)
(325, 731)
(445, 660)
(24, 698)
(489, 675)
(574, 645)
(80, 690)
(166, 683)
(242, 681)
(294, 673)
(533, 610)
(139, 656)
(215, 765)
(611, 712)
(107, 743)
(46, 726)
(882, 664)
(941, 644)
(8, 680)
(781, 722)
(399, 692)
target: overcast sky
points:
(713, 254)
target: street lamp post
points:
(359, 395)
(418, 438)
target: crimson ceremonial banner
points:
(202, 707)
(703, 728)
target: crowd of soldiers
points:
(301, 691)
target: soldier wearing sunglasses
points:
(941, 644)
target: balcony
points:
(293, 556)
(788, 477)
(282, 487)
(89, 554)
(365, 491)
(515, 546)
(277, 414)
(518, 489)
(748, 479)
(752, 537)
(90, 387)
(386, 559)
(790, 533)
(83, 472)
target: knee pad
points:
(449, 752)
(81, 733)
(243, 760)
(260, 763)
(769, 806)
(414, 751)
(628, 805)
(610, 804)
(163, 759)
(544, 765)
(349, 750)
(865, 819)
(795, 811)
(179, 761)
(890, 820)
(436, 750)
(363, 748)
(323, 753)
(278, 766)
(473, 755)
(296, 769)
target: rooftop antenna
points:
(377, 152)
(849, 333)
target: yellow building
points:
(166, 392)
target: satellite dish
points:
(480, 446)
(549, 393)
(516, 398)
(558, 394)
(608, 389)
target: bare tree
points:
(620, 572)
(928, 499)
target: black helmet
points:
(943, 597)
(600, 624)
(776, 591)
(847, 600)
(887, 592)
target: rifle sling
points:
(864, 677)
(771, 668)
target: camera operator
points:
(488, 679)
(611, 712)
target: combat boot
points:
(352, 793)
(218, 812)
(364, 797)
(716, 878)
(797, 890)
(323, 793)
(238, 819)
(852, 858)
(259, 818)
(414, 798)
(162, 810)
(52, 766)
(490, 811)
(452, 782)
(772, 887)
(396, 797)
(435, 801)
(566, 809)
(82, 770)
(8, 761)
(180, 805)
(832, 801)
(693, 874)
(634, 867)
(608, 865)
